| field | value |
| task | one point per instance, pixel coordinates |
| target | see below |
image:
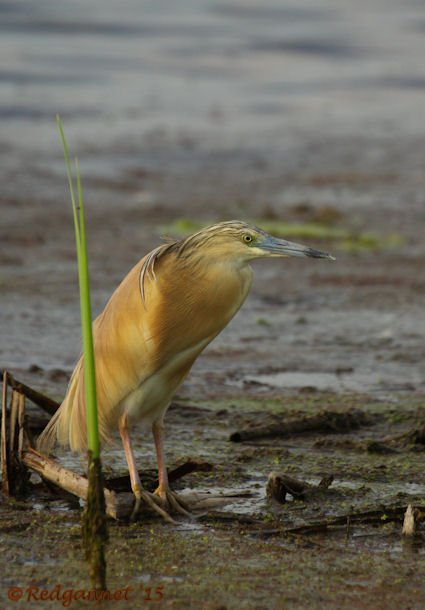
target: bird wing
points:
(184, 306)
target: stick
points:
(325, 422)
(4, 444)
(381, 516)
(41, 400)
(116, 507)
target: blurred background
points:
(306, 117)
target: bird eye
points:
(247, 238)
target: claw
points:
(173, 501)
(148, 499)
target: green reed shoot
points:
(94, 526)
(93, 442)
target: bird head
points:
(242, 242)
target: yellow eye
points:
(247, 238)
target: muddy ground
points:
(310, 122)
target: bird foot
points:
(150, 500)
(172, 501)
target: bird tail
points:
(68, 424)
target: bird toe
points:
(177, 504)
(151, 501)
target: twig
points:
(49, 405)
(4, 444)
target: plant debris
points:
(325, 422)
(280, 485)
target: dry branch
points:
(49, 405)
(326, 422)
(117, 506)
(4, 442)
(381, 516)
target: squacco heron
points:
(167, 309)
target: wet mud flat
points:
(313, 337)
(255, 552)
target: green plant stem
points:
(93, 442)
(94, 525)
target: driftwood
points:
(326, 422)
(117, 506)
(279, 485)
(49, 405)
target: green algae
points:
(347, 240)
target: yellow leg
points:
(136, 485)
(163, 490)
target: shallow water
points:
(189, 85)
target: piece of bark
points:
(49, 405)
(280, 485)
(326, 422)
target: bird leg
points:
(136, 485)
(163, 490)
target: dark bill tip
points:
(281, 247)
(312, 253)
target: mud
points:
(302, 116)
(241, 556)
